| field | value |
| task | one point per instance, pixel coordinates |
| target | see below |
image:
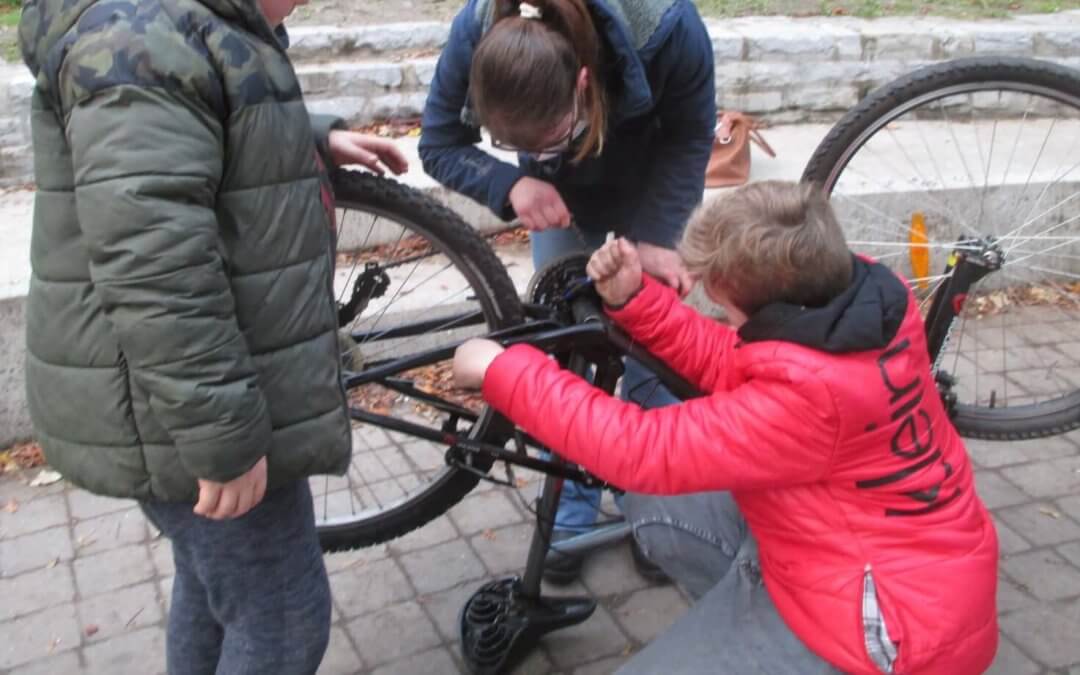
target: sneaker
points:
(645, 567)
(563, 569)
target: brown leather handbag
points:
(729, 163)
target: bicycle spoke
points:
(956, 143)
(441, 327)
(986, 174)
(877, 212)
(942, 206)
(1016, 141)
(937, 168)
(933, 291)
(1050, 248)
(1031, 174)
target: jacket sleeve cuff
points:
(651, 233)
(647, 298)
(321, 126)
(224, 458)
(503, 178)
(502, 375)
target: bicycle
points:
(940, 216)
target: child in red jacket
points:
(827, 514)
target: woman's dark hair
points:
(524, 72)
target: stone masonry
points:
(787, 70)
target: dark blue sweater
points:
(661, 122)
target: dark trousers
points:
(250, 594)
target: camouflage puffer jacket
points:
(181, 321)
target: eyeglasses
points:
(559, 147)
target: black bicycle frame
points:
(601, 343)
(593, 337)
(965, 267)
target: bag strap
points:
(760, 141)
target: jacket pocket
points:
(879, 647)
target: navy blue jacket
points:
(662, 115)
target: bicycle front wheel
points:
(974, 152)
(410, 276)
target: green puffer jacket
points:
(180, 320)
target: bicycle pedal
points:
(500, 625)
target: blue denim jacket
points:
(650, 176)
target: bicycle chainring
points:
(555, 282)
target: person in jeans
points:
(816, 501)
(181, 328)
(610, 105)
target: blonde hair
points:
(767, 242)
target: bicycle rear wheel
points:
(410, 276)
(977, 149)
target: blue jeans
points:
(250, 596)
(702, 542)
(579, 505)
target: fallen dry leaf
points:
(91, 630)
(12, 506)
(394, 128)
(514, 236)
(21, 456)
(1049, 512)
(489, 534)
(46, 477)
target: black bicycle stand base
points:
(500, 624)
(505, 619)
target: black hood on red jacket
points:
(865, 316)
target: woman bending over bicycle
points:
(827, 515)
(610, 106)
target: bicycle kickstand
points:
(505, 619)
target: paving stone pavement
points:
(84, 582)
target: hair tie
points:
(530, 11)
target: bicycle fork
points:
(972, 260)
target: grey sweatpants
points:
(702, 542)
(250, 596)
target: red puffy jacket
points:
(828, 430)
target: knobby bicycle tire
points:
(1046, 418)
(501, 306)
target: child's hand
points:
(221, 501)
(353, 147)
(471, 361)
(616, 270)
